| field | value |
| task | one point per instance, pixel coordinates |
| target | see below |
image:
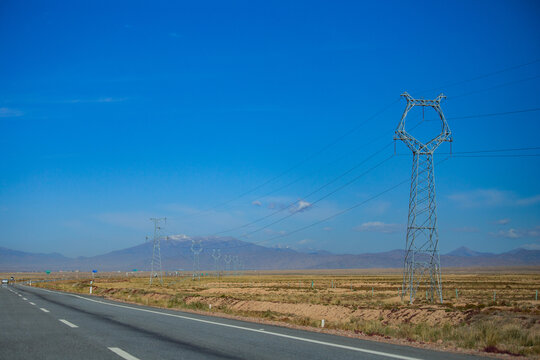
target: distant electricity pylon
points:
(196, 248)
(228, 259)
(422, 261)
(156, 270)
(216, 254)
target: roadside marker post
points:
(91, 282)
(322, 323)
(312, 284)
(536, 298)
(494, 296)
(456, 294)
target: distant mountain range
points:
(177, 255)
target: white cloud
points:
(7, 112)
(178, 237)
(510, 233)
(378, 226)
(256, 203)
(304, 241)
(502, 221)
(327, 228)
(300, 206)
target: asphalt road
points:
(42, 324)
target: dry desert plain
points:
(495, 310)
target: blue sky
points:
(115, 112)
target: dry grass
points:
(363, 303)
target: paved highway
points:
(42, 324)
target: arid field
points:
(495, 310)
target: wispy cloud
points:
(300, 206)
(378, 226)
(256, 203)
(529, 201)
(530, 246)
(327, 228)
(481, 198)
(274, 232)
(491, 198)
(8, 112)
(502, 221)
(293, 207)
(378, 208)
(514, 233)
(98, 100)
(509, 234)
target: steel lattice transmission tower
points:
(422, 261)
(216, 254)
(156, 270)
(196, 249)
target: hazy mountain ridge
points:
(176, 255)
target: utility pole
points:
(422, 261)
(156, 270)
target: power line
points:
(491, 114)
(315, 191)
(318, 200)
(300, 163)
(482, 76)
(341, 137)
(496, 86)
(321, 198)
(488, 151)
(327, 165)
(340, 176)
(498, 156)
(495, 150)
(318, 222)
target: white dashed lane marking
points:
(71, 325)
(44, 310)
(122, 353)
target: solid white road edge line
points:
(44, 310)
(373, 352)
(122, 353)
(71, 325)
